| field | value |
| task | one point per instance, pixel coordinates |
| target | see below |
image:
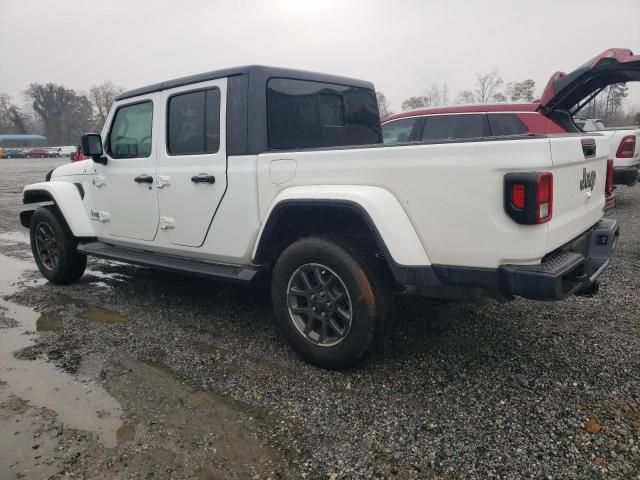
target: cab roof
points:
(260, 72)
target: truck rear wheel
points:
(331, 302)
(55, 248)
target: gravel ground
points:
(207, 389)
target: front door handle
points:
(203, 178)
(143, 179)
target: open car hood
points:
(564, 91)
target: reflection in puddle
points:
(102, 315)
(229, 427)
(80, 405)
(125, 433)
(14, 237)
(49, 322)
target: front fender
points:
(384, 212)
(67, 197)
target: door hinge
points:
(167, 223)
(163, 180)
(99, 181)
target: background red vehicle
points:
(78, 155)
(477, 121)
(36, 153)
(563, 96)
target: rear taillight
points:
(518, 191)
(608, 186)
(544, 197)
(627, 147)
(528, 197)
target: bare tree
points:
(102, 97)
(12, 119)
(64, 113)
(499, 97)
(436, 96)
(524, 90)
(412, 103)
(466, 97)
(608, 105)
(383, 105)
(487, 85)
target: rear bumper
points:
(625, 175)
(574, 268)
(571, 269)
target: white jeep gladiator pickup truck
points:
(624, 148)
(257, 172)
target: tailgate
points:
(578, 185)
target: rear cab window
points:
(307, 114)
(398, 131)
(455, 127)
(131, 131)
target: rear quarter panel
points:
(452, 193)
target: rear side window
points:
(305, 114)
(455, 127)
(193, 123)
(398, 131)
(130, 135)
(506, 124)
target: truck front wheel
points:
(55, 248)
(331, 302)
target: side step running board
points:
(233, 273)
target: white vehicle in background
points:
(66, 151)
(589, 124)
(54, 152)
(256, 172)
(624, 148)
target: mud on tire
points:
(54, 247)
(331, 301)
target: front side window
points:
(503, 124)
(193, 123)
(398, 131)
(305, 114)
(130, 135)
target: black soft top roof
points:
(261, 71)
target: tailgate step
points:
(234, 273)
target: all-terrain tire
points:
(303, 270)
(54, 247)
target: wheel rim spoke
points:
(319, 305)
(46, 246)
(335, 327)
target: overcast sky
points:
(403, 46)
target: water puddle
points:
(102, 315)
(15, 237)
(228, 428)
(78, 404)
(49, 322)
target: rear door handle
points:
(143, 179)
(203, 178)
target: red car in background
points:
(78, 155)
(36, 153)
(564, 95)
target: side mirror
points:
(92, 147)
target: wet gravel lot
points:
(178, 377)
